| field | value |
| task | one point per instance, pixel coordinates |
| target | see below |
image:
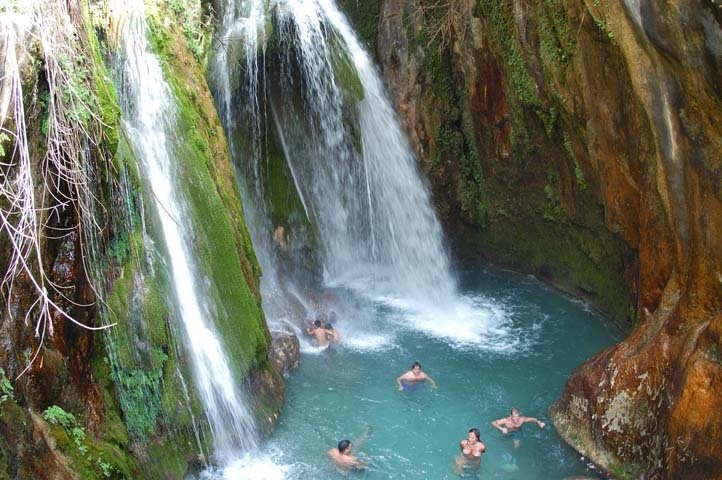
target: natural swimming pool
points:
(513, 344)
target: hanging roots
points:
(32, 195)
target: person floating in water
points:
(317, 331)
(471, 449)
(514, 422)
(413, 378)
(343, 455)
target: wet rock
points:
(285, 353)
(581, 140)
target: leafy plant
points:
(58, 416)
(6, 388)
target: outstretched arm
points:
(532, 419)
(362, 438)
(500, 425)
(431, 380)
(398, 382)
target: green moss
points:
(628, 471)
(222, 242)
(499, 17)
(345, 74)
(364, 17)
(580, 260)
(556, 40)
(286, 207)
(90, 458)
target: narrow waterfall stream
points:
(149, 116)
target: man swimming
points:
(317, 331)
(413, 378)
(332, 334)
(514, 422)
(343, 456)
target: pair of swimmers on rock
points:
(471, 447)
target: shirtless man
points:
(471, 449)
(316, 330)
(514, 422)
(413, 378)
(332, 334)
(343, 456)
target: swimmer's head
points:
(514, 412)
(343, 446)
(328, 326)
(416, 366)
(317, 324)
(476, 433)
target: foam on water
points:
(250, 467)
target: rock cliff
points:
(582, 141)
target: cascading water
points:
(321, 99)
(149, 116)
(353, 168)
(362, 179)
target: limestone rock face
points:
(285, 352)
(582, 141)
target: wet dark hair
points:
(317, 323)
(416, 364)
(476, 432)
(328, 326)
(343, 445)
(513, 409)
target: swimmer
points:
(315, 330)
(331, 334)
(514, 422)
(343, 455)
(413, 378)
(471, 449)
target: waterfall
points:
(150, 117)
(352, 166)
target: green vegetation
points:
(7, 392)
(557, 43)
(91, 458)
(364, 17)
(222, 241)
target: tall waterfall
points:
(150, 117)
(351, 164)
